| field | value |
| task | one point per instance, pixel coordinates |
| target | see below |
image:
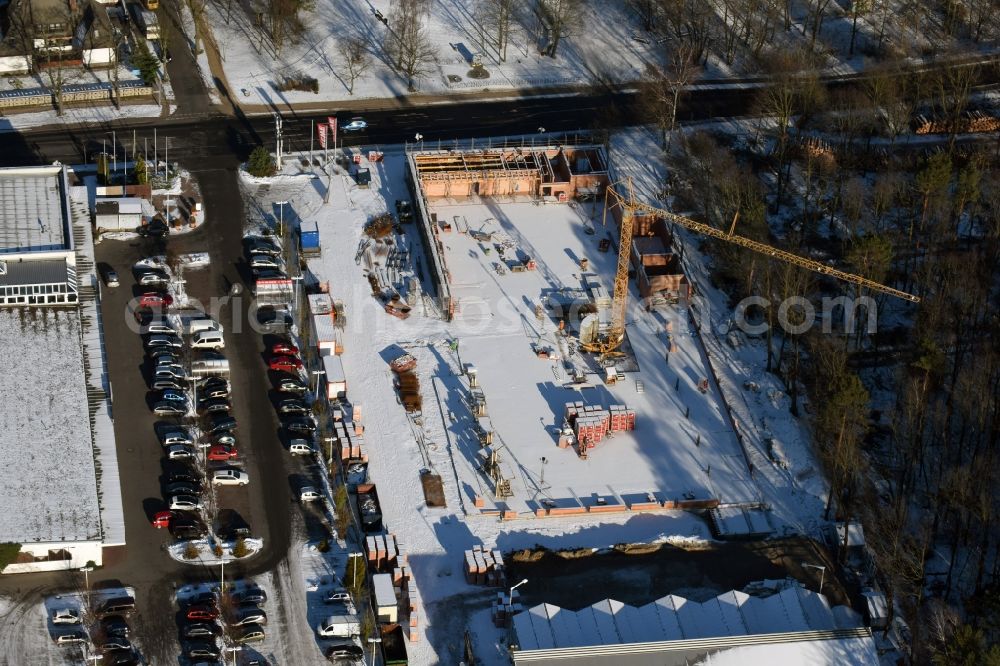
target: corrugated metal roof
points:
(674, 618)
(28, 272)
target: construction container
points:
(309, 237)
(336, 379)
(386, 608)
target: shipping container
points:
(336, 380)
(309, 237)
(385, 598)
(369, 508)
(393, 646)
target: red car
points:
(154, 300)
(222, 452)
(284, 349)
(284, 363)
(201, 612)
(162, 519)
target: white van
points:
(193, 326)
(207, 340)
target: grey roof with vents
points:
(34, 211)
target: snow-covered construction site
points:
(453, 298)
(526, 257)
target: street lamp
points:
(329, 444)
(822, 575)
(86, 581)
(419, 137)
(373, 641)
(354, 578)
(317, 374)
(511, 595)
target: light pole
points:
(354, 577)
(373, 641)
(86, 581)
(419, 137)
(329, 444)
(511, 595)
(297, 279)
(541, 481)
(822, 575)
(317, 374)
(281, 218)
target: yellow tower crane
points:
(629, 207)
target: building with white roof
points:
(59, 483)
(793, 625)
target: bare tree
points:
(356, 58)
(817, 12)
(407, 43)
(197, 13)
(858, 9)
(495, 16)
(664, 86)
(559, 17)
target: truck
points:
(340, 626)
(309, 239)
(393, 647)
(369, 508)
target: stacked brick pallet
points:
(505, 607)
(484, 567)
(591, 423)
(350, 437)
(383, 553)
(411, 607)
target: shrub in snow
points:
(240, 548)
(191, 551)
(261, 164)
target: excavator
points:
(607, 343)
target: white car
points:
(266, 261)
(300, 447)
(338, 597)
(356, 125)
(179, 452)
(308, 494)
(185, 503)
(65, 616)
(230, 477)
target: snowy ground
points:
(46, 497)
(399, 447)
(583, 57)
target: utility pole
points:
(312, 136)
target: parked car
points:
(221, 452)
(269, 274)
(174, 396)
(186, 475)
(201, 612)
(115, 625)
(221, 423)
(158, 327)
(284, 349)
(186, 527)
(215, 392)
(169, 408)
(154, 278)
(185, 503)
(230, 477)
(214, 405)
(199, 630)
(300, 447)
(164, 341)
(262, 246)
(163, 519)
(181, 488)
(214, 382)
(170, 372)
(111, 277)
(163, 384)
(115, 643)
(179, 452)
(354, 125)
(293, 406)
(225, 438)
(347, 652)
(155, 228)
(248, 615)
(266, 261)
(254, 595)
(308, 494)
(171, 437)
(207, 340)
(274, 319)
(305, 424)
(71, 638)
(284, 363)
(155, 353)
(337, 597)
(250, 633)
(203, 598)
(116, 606)
(65, 616)
(151, 299)
(288, 384)
(202, 650)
